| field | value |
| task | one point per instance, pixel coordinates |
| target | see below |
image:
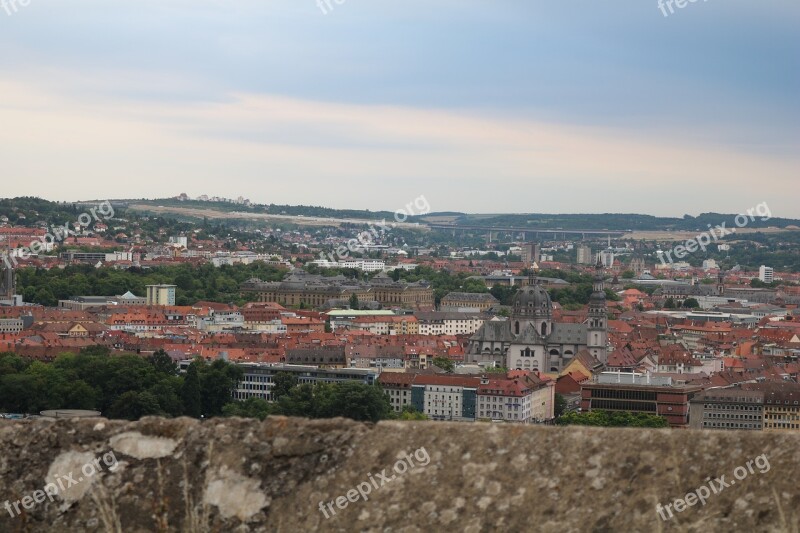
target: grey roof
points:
(494, 331)
(529, 335)
(568, 334)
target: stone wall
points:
(297, 475)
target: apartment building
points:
(445, 397)
(761, 406)
(387, 325)
(448, 323)
(504, 399)
(163, 295)
(781, 407)
(518, 396)
(727, 409)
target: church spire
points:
(597, 331)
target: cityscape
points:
(399, 286)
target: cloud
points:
(59, 142)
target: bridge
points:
(499, 230)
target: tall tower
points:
(7, 287)
(597, 332)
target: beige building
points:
(387, 325)
(163, 295)
(316, 291)
(443, 323)
(468, 302)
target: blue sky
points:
(481, 106)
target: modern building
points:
(766, 274)
(584, 254)
(365, 265)
(640, 393)
(531, 252)
(96, 257)
(607, 258)
(726, 409)
(163, 295)
(7, 283)
(259, 378)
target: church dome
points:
(532, 300)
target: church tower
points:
(597, 332)
(532, 307)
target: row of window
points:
(492, 414)
(732, 407)
(730, 425)
(731, 416)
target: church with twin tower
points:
(530, 340)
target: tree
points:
(691, 303)
(560, 406)
(163, 363)
(613, 419)
(669, 304)
(250, 408)
(217, 383)
(168, 392)
(354, 301)
(445, 364)
(133, 405)
(411, 413)
(283, 383)
(367, 403)
(628, 274)
(190, 392)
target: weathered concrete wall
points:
(241, 475)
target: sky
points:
(495, 106)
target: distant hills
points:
(33, 209)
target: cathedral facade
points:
(530, 340)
